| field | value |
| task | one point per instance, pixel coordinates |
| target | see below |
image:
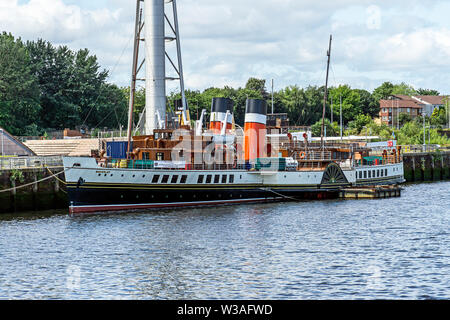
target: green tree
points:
(361, 121)
(427, 92)
(404, 89)
(19, 93)
(383, 91)
(351, 102)
(70, 85)
(332, 130)
(294, 103)
(258, 85)
(368, 103)
(312, 109)
(404, 118)
(439, 117)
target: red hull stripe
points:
(106, 208)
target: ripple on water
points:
(378, 249)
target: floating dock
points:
(375, 192)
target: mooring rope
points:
(56, 176)
(279, 194)
(35, 182)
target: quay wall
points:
(45, 195)
(430, 166)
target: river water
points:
(395, 248)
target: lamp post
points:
(424, 133)
(429, 134)
(331, 109)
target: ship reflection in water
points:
(371, 249)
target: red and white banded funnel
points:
(219, 109)
(255, 129)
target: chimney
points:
(255, 129)
(219, 108)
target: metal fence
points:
(30, 162)
(424, 148)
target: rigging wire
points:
(112, 71)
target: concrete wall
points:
(427, 166)
(49, 194)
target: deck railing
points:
(30, 162)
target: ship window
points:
(174, 179)
(374, 174)
(165, 179)
(183, 179)
(146, 156)
(224, 179)
(231, 178)
(378, 173)
(208, 178)
(382, 172)
(155, 179)
(216, 178)
(200, 178)
(385, 173)
(360, 174)
(160, 156)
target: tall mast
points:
(137, 33)
(186, 117)
(326, 94)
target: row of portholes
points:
(373, 173)
(165, 178)
(181, 196)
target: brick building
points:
(414, 106)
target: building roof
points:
(416, 102)
(10, 146)
(434, 100)
(400, 104)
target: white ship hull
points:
(92, 188)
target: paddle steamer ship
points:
(175, 165)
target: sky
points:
(227, 42)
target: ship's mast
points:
(134, 71)
(326, 94)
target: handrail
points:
(30, 162)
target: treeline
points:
(43, 87)
(304, 106)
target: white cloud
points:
(226, 42)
